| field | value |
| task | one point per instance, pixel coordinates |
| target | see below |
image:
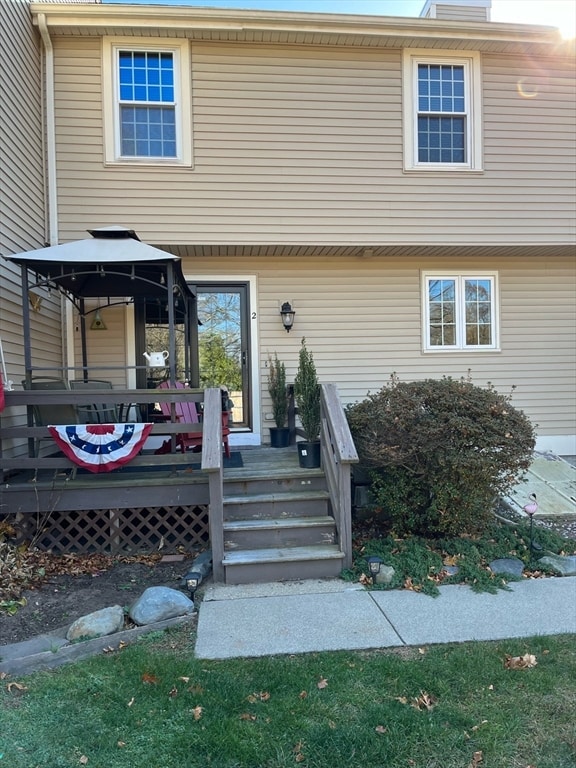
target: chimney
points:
(457, 10)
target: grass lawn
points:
(153, 705)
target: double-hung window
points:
(442, 123)
(147, 102)
(460, 312)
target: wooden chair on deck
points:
(187, 413)
(96, 413)
(44, 414)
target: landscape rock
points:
(98, 624)
(158, 604)
(451, 570)
(385, 575)
(564, 564)
(507, 566)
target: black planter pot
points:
(279, 437)
(309, 454)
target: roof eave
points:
(178, 19)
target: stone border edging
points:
(65, 654)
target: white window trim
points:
(460, 345)
(182, 86)
(411, 57)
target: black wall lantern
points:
(287, 315)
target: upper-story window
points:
(147, 102)
(442, 121)
(460, 312)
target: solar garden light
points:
(192, 581)
(374, 563)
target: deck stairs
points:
(278, 527)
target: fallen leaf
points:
(401, 699)
(83, 760)
(297, 749)
(184, 679)
(197, 712)
(520, 662)
(247, 716)
(122, 644)
(366, 580)
(17, 686)
(131, 701)
(475, 727)
(490, 687)
(173, 692)
(149, 679)
(254, 697)
(303, 694)
(3, 675)
(322, 683)
(424, 701)
(476, 759)
(380, 729)
(121, 743)
(450, 560)
(409, 584)
(422, 651)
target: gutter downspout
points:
(50, 131)
(67, 335)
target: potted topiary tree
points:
(307, 395)
(280, 434)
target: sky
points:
(555, 13)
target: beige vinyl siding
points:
(459, 13)
(106, 348)
(22, 225)
(21, 185)
(304, 145)
(362, 320)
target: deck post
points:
(212, 463)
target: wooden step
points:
(282, 564)
(273, 482)
(279, 532)
(276, 505)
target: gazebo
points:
(114, 267)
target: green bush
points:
(440, 452)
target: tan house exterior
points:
(297, 173)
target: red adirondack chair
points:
(187, 413)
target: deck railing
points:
(38, 437)
(338, 455)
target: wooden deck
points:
(266, 519)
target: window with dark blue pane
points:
(147, 104)
(441, 113)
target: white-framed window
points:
(442, 111)
(147, 101)
(460, 312)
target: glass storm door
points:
(223, 350)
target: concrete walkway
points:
(301, 617)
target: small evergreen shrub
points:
(307, 393)
(277, 390)
(440, 452)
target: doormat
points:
(234, 462)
